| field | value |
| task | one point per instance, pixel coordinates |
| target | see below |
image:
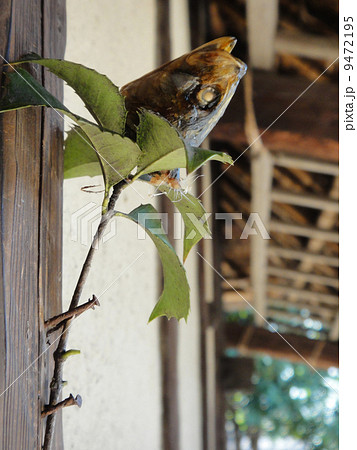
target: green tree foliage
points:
(289, 400)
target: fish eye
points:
(208, 97)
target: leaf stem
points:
(56, 383)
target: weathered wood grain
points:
(50, 271)
(168, 328)
(31, 220)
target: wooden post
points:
(31, 149)
(262, 21)
(262, 178)
(236, 373)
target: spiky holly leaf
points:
(118, 155)
(193, 215)
(161, 145)
(175, 298)
(79, 157)
(196, 157)
(23, 91)
(101, 97)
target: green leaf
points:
(118, 155)
(175, 298)
(79, 157)
(161, 146)
(196, 157)
(24, 91)
(101, 97)
(164, 149)
(193, 214)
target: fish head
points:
(192, 91)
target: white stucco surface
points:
(118, 371)
(189, 365)
(189, 370)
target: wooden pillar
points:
(262, 178)
(262, 20)
(31, 149)
(236, 373)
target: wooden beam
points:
(31, 178)
(232, 302)
(262, 341)
(302, 294)
(303, 256)
(237, 283)
(298, 230)
(317, 310)
(325, 221)
(293, 162)
(235, 302)
(234, 296)
(303, 276)
(305, 200)
(262, 15)
(292, 319)
(307, 45)
(297, 144)
(296, 131)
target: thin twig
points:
(69, 401)
(56, 383)
(55, 322)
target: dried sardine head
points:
(191, 92)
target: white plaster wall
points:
(118, 371)
(189, 363)
(189, 375)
